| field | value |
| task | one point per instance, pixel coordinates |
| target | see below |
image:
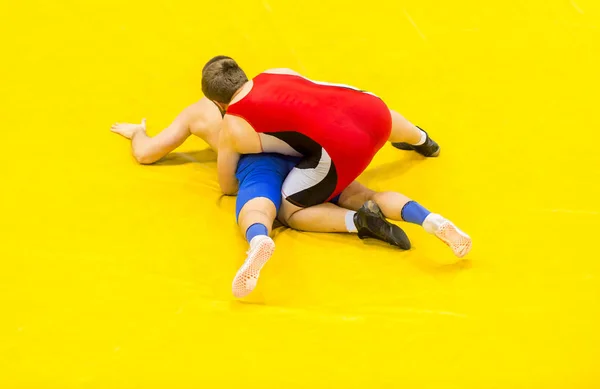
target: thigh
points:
(262, 177)
(403, 130)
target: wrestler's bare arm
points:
(199, 119)
(236, 138)
(227, 160)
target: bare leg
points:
(392, 204)
(403, 130)
(407, 136)
(325, 217)
(259, 210)
(367, 222)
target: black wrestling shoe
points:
(371, 223)
(427, 149)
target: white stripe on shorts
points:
(302, 179)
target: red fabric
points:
(352, 126)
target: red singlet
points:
(338, 129)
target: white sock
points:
(256, 240)
(423, 138)
(432, 222)
(350, 226)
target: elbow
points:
(143, 158)
(229, 190)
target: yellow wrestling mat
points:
(116, 275)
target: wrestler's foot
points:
(428, 149)
(371, 223)
(261, 249)
(458, 241)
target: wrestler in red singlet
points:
(338, 129)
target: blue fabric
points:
(262, 175)
(255, 230)
(413, 212)
(336, 199)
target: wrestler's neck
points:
(238, 95)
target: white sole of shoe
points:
(458, 241)
(246, 278)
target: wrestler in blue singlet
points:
(262, 175)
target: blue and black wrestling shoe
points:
(371, 223)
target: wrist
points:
(137, 131)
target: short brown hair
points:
(221, 78)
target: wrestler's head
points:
(221, 78)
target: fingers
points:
(115, 125)
(120, 127)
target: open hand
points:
(128, 129)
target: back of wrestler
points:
(336, 128)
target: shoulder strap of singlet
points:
(223, 112)
(245, 103)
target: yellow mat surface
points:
(116, 275)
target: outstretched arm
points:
(227, 160)
(147, 150)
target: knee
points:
(355, 198)
(378, 196)
(257, 214)
(257, 210)
(369, 194)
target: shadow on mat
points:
(199, 156)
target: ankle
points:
(423, 138)
(351, 222)
(433, 222)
